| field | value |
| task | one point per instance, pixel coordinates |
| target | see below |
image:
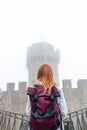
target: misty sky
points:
(62, 23)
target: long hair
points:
(45, 76)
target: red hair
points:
(45, 75)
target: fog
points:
(61, 23)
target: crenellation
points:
(67, 83)
(16, 100)
(82, 82)
(22, 96)
(10, 87)
(37, 54)
(22, 86)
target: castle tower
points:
(38, 54)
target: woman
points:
(46, 81)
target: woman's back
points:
(44, 108)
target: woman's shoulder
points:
(58, 87)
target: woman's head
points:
(45, 75)
(45, 72)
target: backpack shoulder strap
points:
(35, 96)
(53, 95)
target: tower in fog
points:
(38, 54)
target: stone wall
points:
(75, 97)
(15, 100)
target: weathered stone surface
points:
(37, 54)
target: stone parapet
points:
(15, 100)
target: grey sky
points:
(61, 23)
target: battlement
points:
(11, 86)
(15, 100)
(81, 83)
(67, 83)
(37, 54)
